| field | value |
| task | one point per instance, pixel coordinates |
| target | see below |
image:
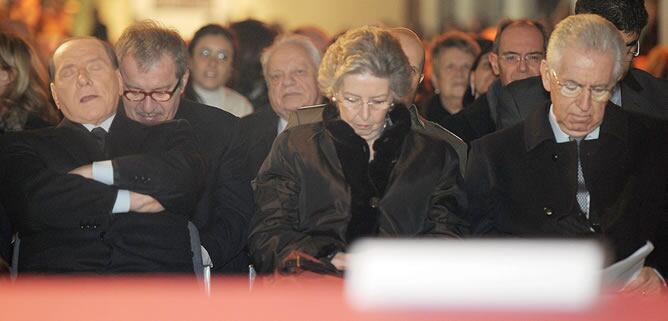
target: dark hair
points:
(213, 30)
(626, 15)
(485, 48)
(504, 24)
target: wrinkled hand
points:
(144, 203)
(647, 282)
(85, 171)
(339, 261)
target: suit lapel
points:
(125, 135)
(77, 141)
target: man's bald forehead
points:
(408, 37)
(108, 49)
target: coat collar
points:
(537, 125)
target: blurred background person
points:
(657, 62)
(452, 55)
(315, 196)
(318, 36)
(482, 75)
(211, 62)
(24, 102)
(290, 68)
(252, 37)
(518, 48)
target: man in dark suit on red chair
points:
(577, 166)
(99, 193)
(153, 61)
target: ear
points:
(434, 80)
(494, 62)
(545, 75)
(54, 95)
(120, 82)
(184, 81)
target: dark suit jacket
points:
(520, 182)
(479, 118)
(65, 220)
(641, 93)
(261, 129)
(223, 212)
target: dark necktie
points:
(582, 194)
(100, 136)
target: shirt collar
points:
(282, 123)
(616, 97)
(562, 137)
(105, 124)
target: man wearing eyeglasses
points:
(637, 91)
(99, 193)
(518, 48)
(154, 70)
(577, 167)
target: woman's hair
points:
(28, 89)
(367, 49)
(452, 39)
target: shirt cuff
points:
(103, 172)
(206, 259)
(122, 204)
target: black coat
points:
(223, 211)
(520, 182)
(317, 191)
(65, 220)
(261, 129)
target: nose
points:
(365, 113)
(148, 105)
(83, 78)
(584, 101)
(523, 65)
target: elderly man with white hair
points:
(578, 166)
(290, 67)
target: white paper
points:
(619, 274)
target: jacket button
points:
(373, 202)
(547, 210)
(555, 156)
(102, 235)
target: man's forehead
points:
(516, 37)
(79, 48)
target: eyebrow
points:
(372, 97)
(517, 53)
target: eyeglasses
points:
(530, 59)
(355, 103)
(633, 48)
(208, 54)
(572, 89)
(161, 96)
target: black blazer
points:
(641, 93)
(261, 129)
(224, 209)
(520, 182)
(65, 220)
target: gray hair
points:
(367, 49)
(147, 41)
(287, 40)
(588, 32)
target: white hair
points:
(294, 40)
(588, 32)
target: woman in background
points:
(24, 100)
(211, 62)
(452, 55)
(360, 172)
